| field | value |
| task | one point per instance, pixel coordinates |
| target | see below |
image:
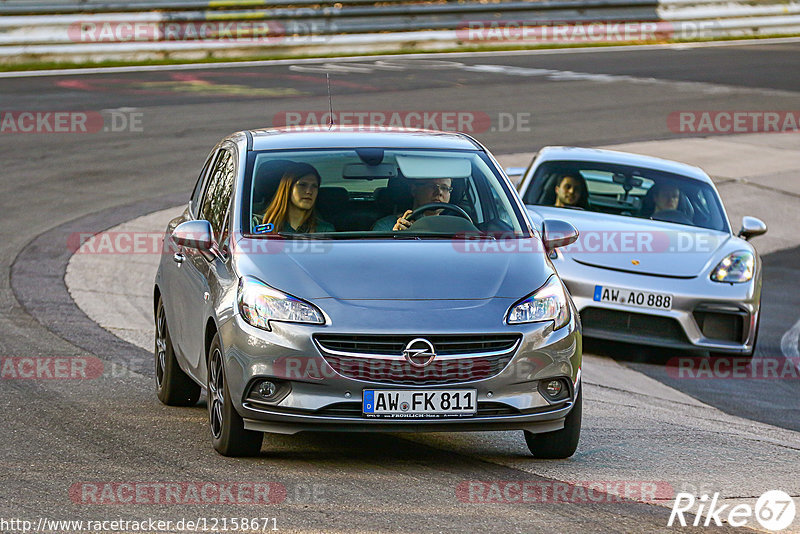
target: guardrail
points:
(27, 7)
(95, 30)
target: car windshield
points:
(627, 191)
(360, 193)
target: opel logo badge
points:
(419, 352)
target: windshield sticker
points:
(263, 228)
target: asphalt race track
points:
(156, 128)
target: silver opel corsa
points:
(657, 261)
(352, 279)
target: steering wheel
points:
(673, 216)
(417, 213)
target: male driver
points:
(424, 192)
(667, 198)
(569, 191)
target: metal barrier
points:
(30, 7)
(95, 30)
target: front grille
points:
(446, 345)
(639, 324)
(449, 371)
(379, 358)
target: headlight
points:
(259, 304)
(735, 268)
(548, 303)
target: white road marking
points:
(789, 343)
(337, 68)
(568, 75)
(412, 57)
(431, 64)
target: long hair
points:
(278, 210)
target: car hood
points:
(638, 245)
(397, 269)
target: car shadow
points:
(640, 354)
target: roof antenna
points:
(330, 100)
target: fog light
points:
(268, 391)
(554, 388)
(265, 389)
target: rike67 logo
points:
(774, 510)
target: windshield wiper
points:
(455, 236)
(478, 236)
(287, 235)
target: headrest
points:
(397, 194)
(267, 177)
(332, 199)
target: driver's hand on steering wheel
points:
(402, 223)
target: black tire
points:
(561, 443)
(173, 386)
(228, 434)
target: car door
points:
(173, 287)
(199, 268)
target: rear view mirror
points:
(628, 182)
(557, 233)
(752, 227)
(194, 234)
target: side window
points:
(198, 187)
(218, 193)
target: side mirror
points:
(195, 234)
(557, 233)
(752, 227)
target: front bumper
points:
(705, 315)
(321, 399)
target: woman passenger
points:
(292, 208)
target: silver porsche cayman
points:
(657, 261)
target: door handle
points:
(178, 257)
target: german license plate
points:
(408, 404)
(633, 297)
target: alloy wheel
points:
(216, 392)
(161, 346)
